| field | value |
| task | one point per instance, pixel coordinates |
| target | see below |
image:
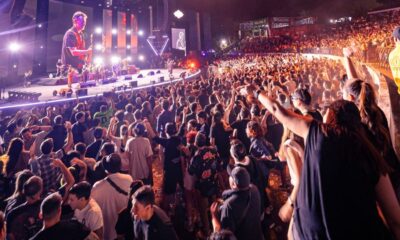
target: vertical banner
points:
(121, 29)
(107, 27)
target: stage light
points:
(128, 46)
(40, 25)
(15, 66)
(14, 47)
(141, 58)
(129, 59)
(224, 42)
(140, 33)
(115, 59)
(192, 65)
(178, 14)
(98, 47)
(98, 60)
(98, 30)
(114, 31)
(128, 32)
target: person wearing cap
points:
(394, 58)
(301, 99)
(140, 155)
(240, 211)
(112, 193)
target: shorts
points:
(171, 178)
(188, 181)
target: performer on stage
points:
(74, 52)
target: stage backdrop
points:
(178, 38)
(60, 20)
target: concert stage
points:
(127, 82)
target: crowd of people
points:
(364, 33)
(262, 147)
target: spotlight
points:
(98, 30)
(128, 32)
(128, 46)
(114, 31)
(40, 25)
(98, 47)
(141, 58)
(98, 60)
(129, 59)
(178, 14)
(140, 33)
(192, 65)
(115, 59)
(14, 47)
(223, 42)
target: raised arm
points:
(70, 139)
(348, 64)
(294, 122)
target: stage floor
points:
(47, 91)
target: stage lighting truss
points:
(158, 44)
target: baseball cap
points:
(240, 176)
(396, 32)
(302, 95)
(140, 129)
(112, 163)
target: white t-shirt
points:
(110, 201)
(90, 216)
(138, 149)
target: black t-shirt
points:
(124, 224)
(222, 141)
(64, 230)
(336, 197)
(171, 151)
(23, 222)
(240, 127)
(71, 40)
(77, 131)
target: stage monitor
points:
(178, 38)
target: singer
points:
(74, 52)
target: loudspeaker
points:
(152, 82)
(69, 93)
(161, 79)
(129, 77)
(151, 73)
(133, 84)
(140, 76)
(91, 83)
(81, 92)
(108, 80)
(158, 71)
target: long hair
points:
(14, 152)
(370, 113)
(346, 122)
(22, 177)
